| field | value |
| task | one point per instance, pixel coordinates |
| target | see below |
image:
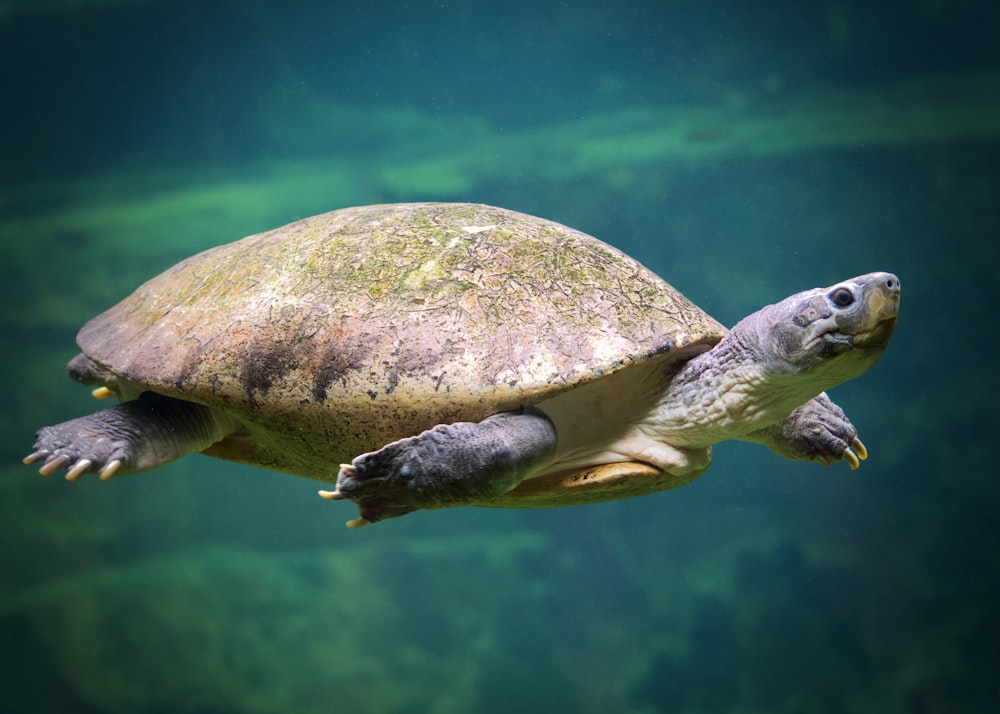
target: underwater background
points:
(743, 151)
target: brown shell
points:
(337, 334)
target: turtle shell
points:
(336, 334)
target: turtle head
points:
(832, 334)
(778, 359)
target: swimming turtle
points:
(428, 355)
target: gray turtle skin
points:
(434, 355)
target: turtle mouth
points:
(882, 310)
(877, 336)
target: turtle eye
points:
(842, 297)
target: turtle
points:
(430, 355)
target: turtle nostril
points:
(892, 283)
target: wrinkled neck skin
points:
(729, 392)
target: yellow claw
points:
(109, 470)
(855, 454)
(359, 522)
(102, 393)
(53, 465)
(78, 469)
(32, 458)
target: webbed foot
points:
(816, 431)
(450, 465)
(133, 436)
(81, 445)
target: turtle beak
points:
(880, 295)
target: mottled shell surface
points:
(337, 334)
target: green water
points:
(744, 153)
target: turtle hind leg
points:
(450, 465)
(134, 436)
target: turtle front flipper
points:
(133, 436)
(816, 431)
(457, 464)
